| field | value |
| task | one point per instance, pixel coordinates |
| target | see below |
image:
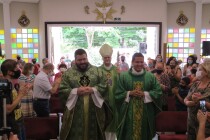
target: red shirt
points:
(36, 69)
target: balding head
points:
(48, 66)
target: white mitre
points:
(106, 50)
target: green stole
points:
(137, 118)
(138, 104)
(86, 116)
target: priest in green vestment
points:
(110, 73)
(138, 101)
(82, 90)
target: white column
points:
(56, 34)
(152, 47)
(42, 40)
(6, 16)
(198, 26)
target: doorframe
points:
(100, 23)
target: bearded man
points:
(82, 90)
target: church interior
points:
(178, 28)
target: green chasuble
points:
(85, 121)
(137, 119)
(111, 77)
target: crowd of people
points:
(111, 101)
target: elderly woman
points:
(199, 91)
(62, 69)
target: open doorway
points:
(126, 39)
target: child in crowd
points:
(181, 92)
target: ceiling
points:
(169, 1)
(29, 1)
(199, 1)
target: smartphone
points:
(203, 105)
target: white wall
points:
(73, 10)
(189, 9)
(206, 16)
(31, 11)
(173, 12)
(1, 17)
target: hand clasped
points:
(84, 91)
(137, 93)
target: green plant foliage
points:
(75, 37)
(86, 37)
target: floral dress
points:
(164, 80)
(192, 125)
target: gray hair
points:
(48, 66)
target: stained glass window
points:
(2, 41)
(25, 43)
(205, 36)
(181, 42)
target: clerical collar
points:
(108, 68)
(134, 72)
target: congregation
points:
(111, 101)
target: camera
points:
(5, 92)
(5, 87)
(203, 105)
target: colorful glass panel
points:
(25, 43)
(181, 42)
(2, 41)
(205, 36)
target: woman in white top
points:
(187, 68)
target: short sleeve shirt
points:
(15, 117)
(42, 86)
